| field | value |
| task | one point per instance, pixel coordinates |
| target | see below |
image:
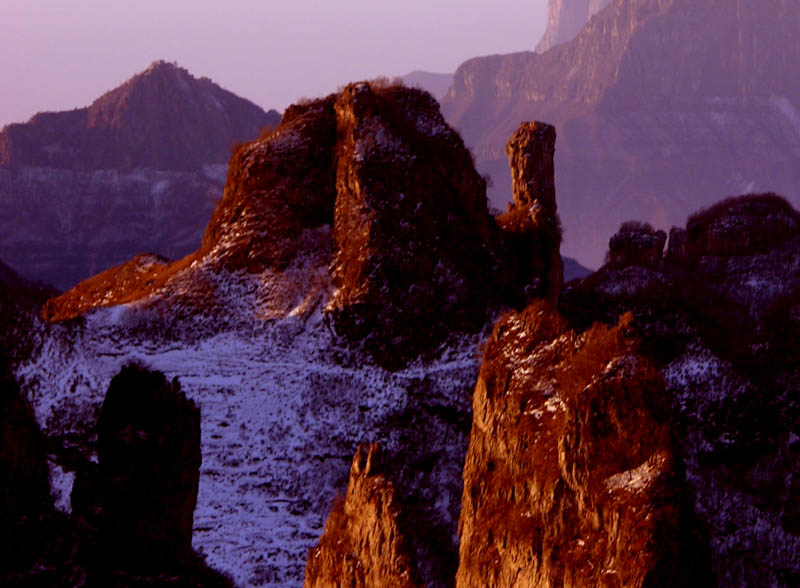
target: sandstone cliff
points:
(139, 169)
(642, 100)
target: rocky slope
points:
(141, 168)
(337, 298)
(645, 432)
(565, 19)
(655, 119)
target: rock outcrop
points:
(636, 244)
(571, 477)
(415, 246)
(642, 104)
(149, 467)
(141, 169)
(363, 544)
(565, 19)
(643, 434)
(531, 229)
(718, 316)
(351, 342)
(413, 252)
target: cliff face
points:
(642, 102)
(139, 169)
(374, 194)
(571, 478)
(565, 19)
(294, 326)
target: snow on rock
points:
(282, 412)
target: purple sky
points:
(60, 54)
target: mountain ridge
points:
(138, 170)
(643, 100)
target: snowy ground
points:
(283, 409)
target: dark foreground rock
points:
(132, 512)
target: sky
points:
(62, 54)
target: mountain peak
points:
(148, 121)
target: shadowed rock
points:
(636, 244)
(149, 459)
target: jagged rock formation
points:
(645, 433)
(415, 246)
(642, 104)
(565, 19)
(139, 169)
(363, 544)
(531, 227)
(261, 324)
(718, 315)
(571, 477)
(414, 253)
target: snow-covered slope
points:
(283, 408)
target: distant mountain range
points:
(139, 169)
(661, 106)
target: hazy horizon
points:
(61, 56)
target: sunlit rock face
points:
(363, 542)
(140, 169)
(654, 119)
(571, 477)
(643, 432)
